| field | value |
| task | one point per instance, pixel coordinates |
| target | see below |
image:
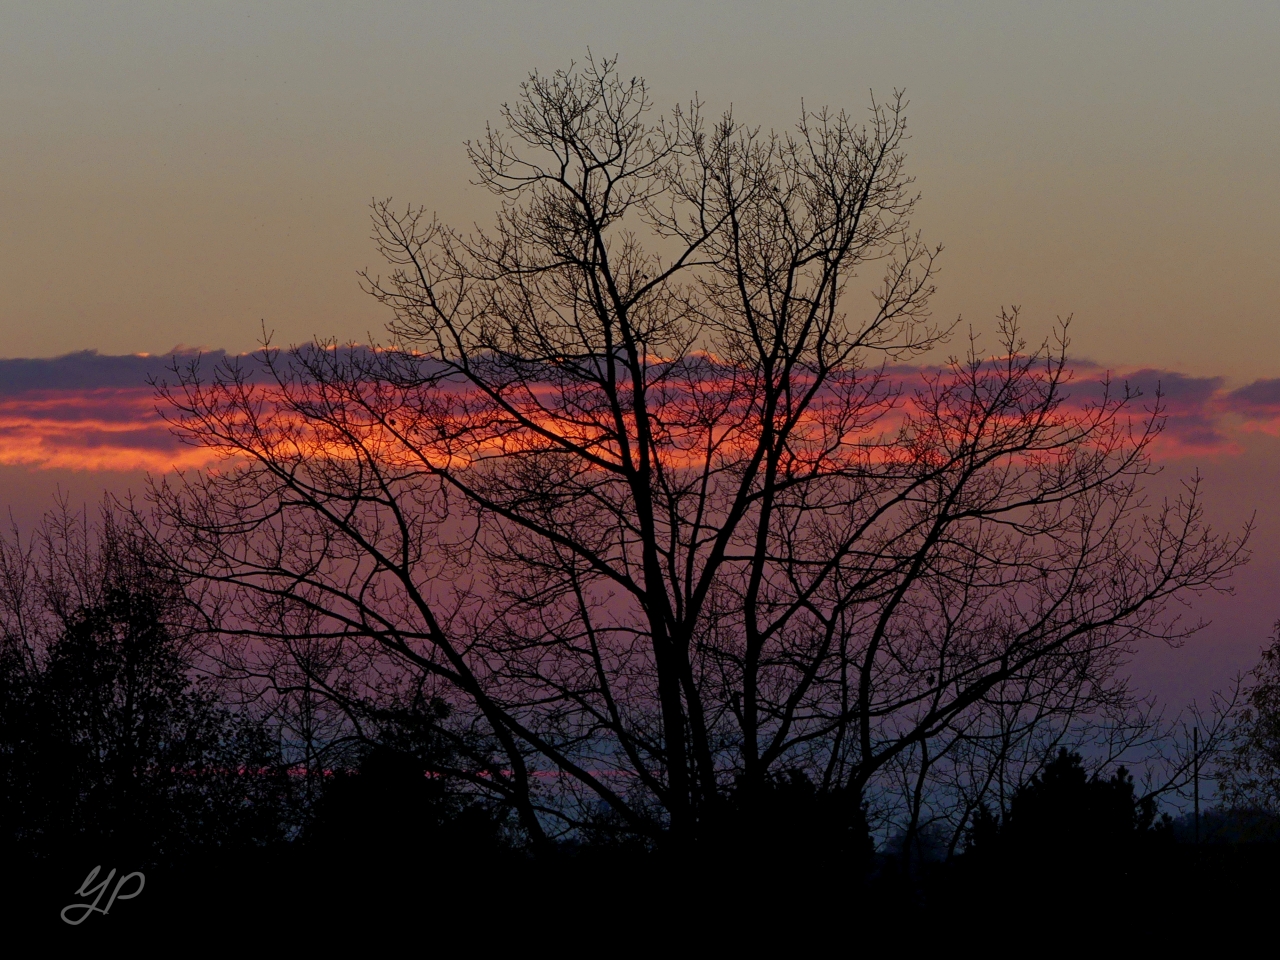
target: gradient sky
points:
(181, 173)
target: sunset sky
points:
(186, 174)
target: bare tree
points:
(109, 730)
(1248, 773)
(642, 489)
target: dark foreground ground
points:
(607, 903)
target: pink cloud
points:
(93, 412)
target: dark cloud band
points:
(99, 412)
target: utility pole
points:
(1195, 776)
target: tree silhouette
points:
(108, 738)
(1249, 773)
(1065, 818)
(639, 492)
(788, 822)
(436, 824)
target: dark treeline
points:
(123, 742)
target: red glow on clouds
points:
(95, 413)
(91, 429)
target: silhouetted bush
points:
(1064, 818)
(788, 819)
(108, 740)
(394, 810)
(1249, 774)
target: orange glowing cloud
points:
(99, 413)
(91, 412)
(102, 429)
